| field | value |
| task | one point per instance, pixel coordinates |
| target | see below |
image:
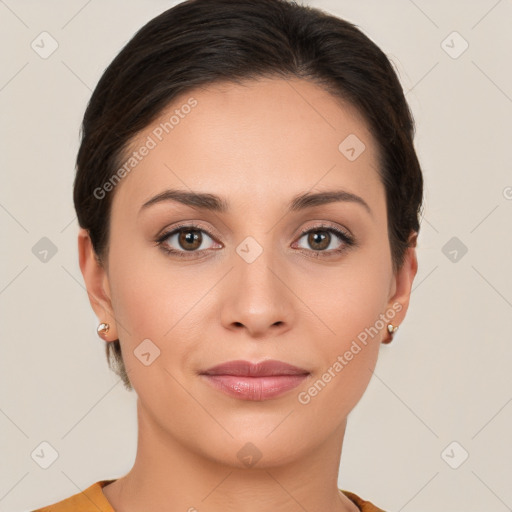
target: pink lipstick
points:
(248, 381)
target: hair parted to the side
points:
(200, 42)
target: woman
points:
(248, 194)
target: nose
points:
(257, 298)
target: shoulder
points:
(91, 499)
(364, 506)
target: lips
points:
(267, 368)
(261, 381)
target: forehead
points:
(264, 140)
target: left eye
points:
(321, 239)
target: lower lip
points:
(255, 388)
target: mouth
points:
(261, 381)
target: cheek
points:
(348, 357)
(155, 300)
(141, 299)
(351, 306)
(150, 294)
(350, 299)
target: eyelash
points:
(348, 241)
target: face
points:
(305, 282)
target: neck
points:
(168, 472)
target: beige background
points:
(446, 377)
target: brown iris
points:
(317, 241)
(190, 236)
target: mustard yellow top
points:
(92, 499)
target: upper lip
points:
(248, 369)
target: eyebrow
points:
(217, 204)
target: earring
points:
(103, 328)
(391, 329)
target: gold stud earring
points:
(103, 328)
(391, 330)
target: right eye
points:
(187, 239)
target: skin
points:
(257, 145)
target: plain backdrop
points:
(433, 431)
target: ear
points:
(96, 282)
(401, 285)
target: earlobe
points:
(96, 283)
